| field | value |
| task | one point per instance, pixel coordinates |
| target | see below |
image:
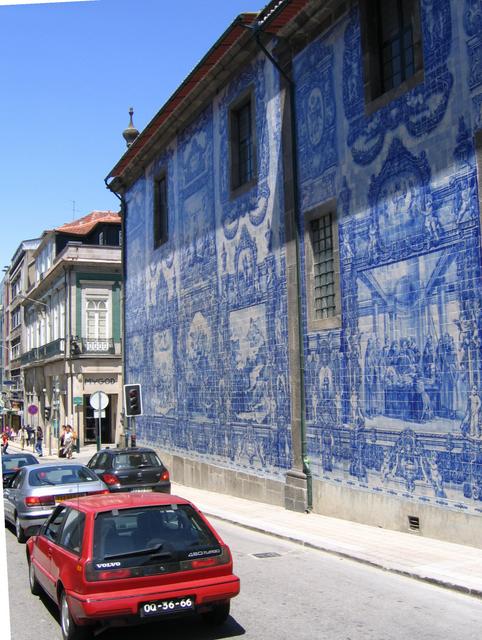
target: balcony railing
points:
(49, 350)
(101, 345)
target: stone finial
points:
(131, 133)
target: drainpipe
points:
(123, 203)
(297, 214)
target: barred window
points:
(243, 139)
(160, 211)
(323, 267)
(392, 44)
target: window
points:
(160, 211)
(392, 44)
(16, 288)
(54, 523)
(16, 349)
(73, 531)
(101, 238)
(243, 149)
(16, 319)
(97, 313)
(323, 270)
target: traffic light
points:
(132, 400)
(47, 413)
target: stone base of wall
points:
(329, 500)
(194, 473)
(393, 513)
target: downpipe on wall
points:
(296, 209)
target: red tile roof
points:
(83, 226)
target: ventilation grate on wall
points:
(413, 523)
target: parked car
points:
(12, 462)
(32, 493)
(128, 558)
(134, 469)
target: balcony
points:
(89, 345)
(46, 351)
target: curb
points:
(439, 582)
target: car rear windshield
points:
(136, 460)
(16, 463)
(68, 474)
(142, 535)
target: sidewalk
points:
(445, 564)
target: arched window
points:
(96, 319)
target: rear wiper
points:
(141, 552)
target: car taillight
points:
(95, 574)
(165, 475)
(103, 492)
(110, 478)
(39, 501)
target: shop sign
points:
(100, 380)
(78, 400)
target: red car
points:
(127, 558)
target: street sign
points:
(32, 409)
(78, 400)
(99, 400)
(99, 414)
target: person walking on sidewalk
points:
(62, 441)
(68, 441)
(38, 443)
(4, 442)
(23, 436)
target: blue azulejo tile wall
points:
(394, 394)
(206, 319)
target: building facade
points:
(73, 332)
(15, 285)
(302, 256)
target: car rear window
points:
(67, 474)
(136, 460)
(163, 533)
(16, 463)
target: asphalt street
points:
(293, 592)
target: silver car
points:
(32, 494)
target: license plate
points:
(142, 490)
(163, 607)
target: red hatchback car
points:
(127, 558)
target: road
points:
(300, 594)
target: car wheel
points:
(70, 630)
(218, 614)
(35, 587)
(19, 532)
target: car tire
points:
(19, 532)
(35, 587)
(70, 630)
(218, 614)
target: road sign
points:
(78, 400)
(32, 409)
(99, 400)
(99, 414)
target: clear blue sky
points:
(69, 73)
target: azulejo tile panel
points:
(394, 397)
(206, 319)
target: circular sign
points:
(32, 409)
(99, 400)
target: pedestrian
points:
(4, 441)
(38, 443)
(30, 435)
(23, 436)
(62, 441)
(68, 441)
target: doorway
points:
(91, 423)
